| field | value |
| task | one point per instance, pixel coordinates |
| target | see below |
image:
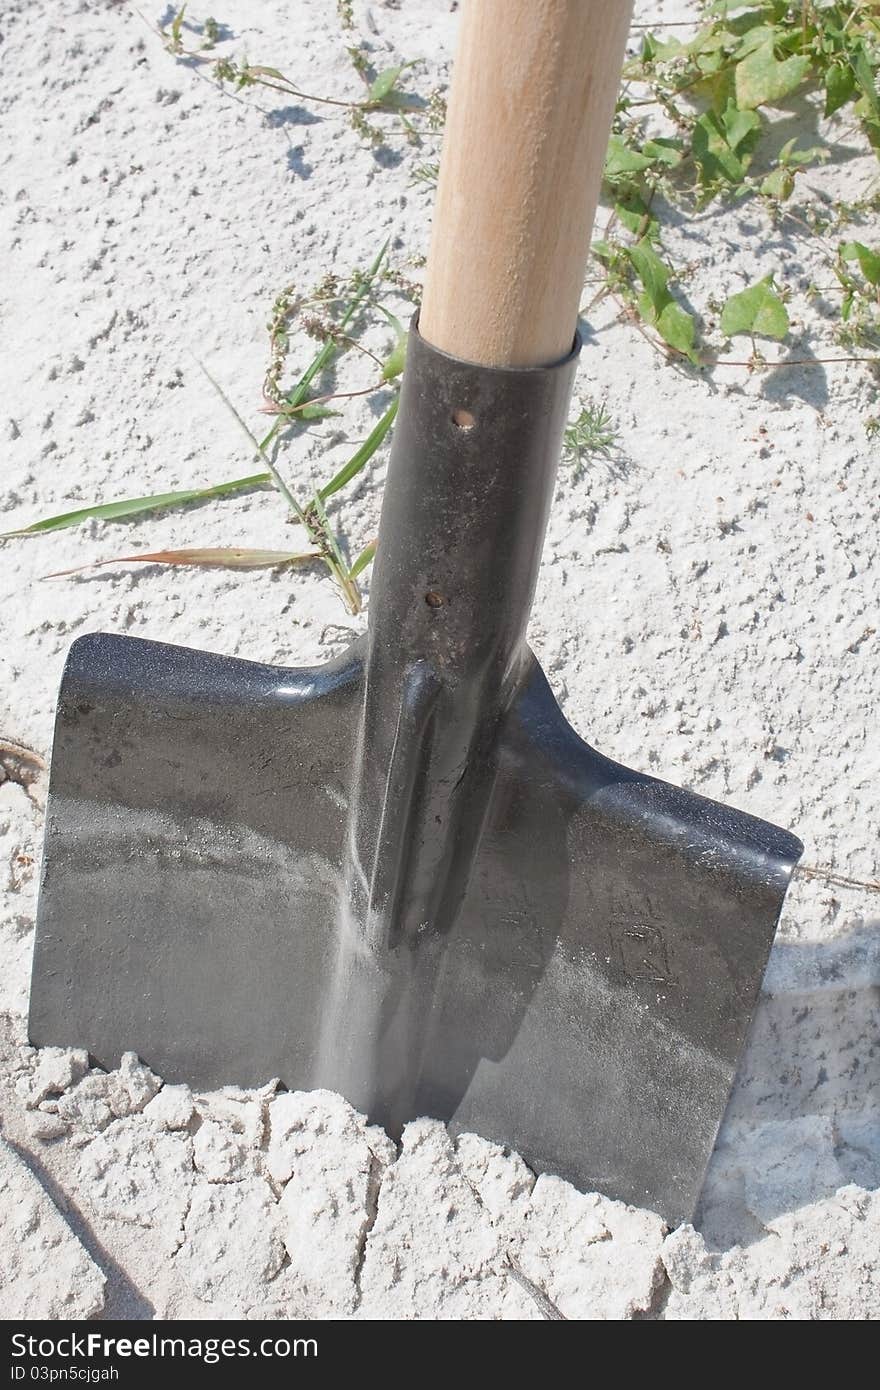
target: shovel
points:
(403, 875)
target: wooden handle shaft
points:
(530, 108)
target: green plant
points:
(691, 129)
(384, 94)
(692, 125)
(427, 173)
(344, 307)
(592, 434)
(758, 311)
(748, 56)
(858, 271)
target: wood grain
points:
(530, 109)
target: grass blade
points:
(362, 456)
(295, 509)
(331, 347)
(131, 506)
(323, 534)
(218, 557)
(396, 360)
(364, 559)
(314, 518)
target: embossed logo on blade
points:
(638, 946)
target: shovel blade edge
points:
(194, 830)
(588, 1006)
(631, 932)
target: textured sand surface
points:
(706, 611)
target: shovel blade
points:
(588, 1006)
(631, 927)
(194, 825)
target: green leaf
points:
(396, 360)
(790, 158)
(840, 84)
(362, 456)
(757, 310)
(724, 7)
(384, 84)
(177, 25)
(633, 214)
(739, 126)
(664, 150)
(676, 327)
(653, 274)
(132, 506)
(778, 184)
(755, 37)
(363, 559)
(709, 60)
(621, 160)
(313, 410)
(713, 153)
(762, 79)
(869, 261)
(656, 50)
(864, 76)
(656, 305)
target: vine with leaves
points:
(692, 126)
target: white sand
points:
(706, 612)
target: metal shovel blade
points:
(403, 875)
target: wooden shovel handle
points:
(530, 109)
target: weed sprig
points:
(348, 307)
(712, 93)
(384, 95)
(691, 124)
(592, 434)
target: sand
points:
(706, 611)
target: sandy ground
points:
(707, 611)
